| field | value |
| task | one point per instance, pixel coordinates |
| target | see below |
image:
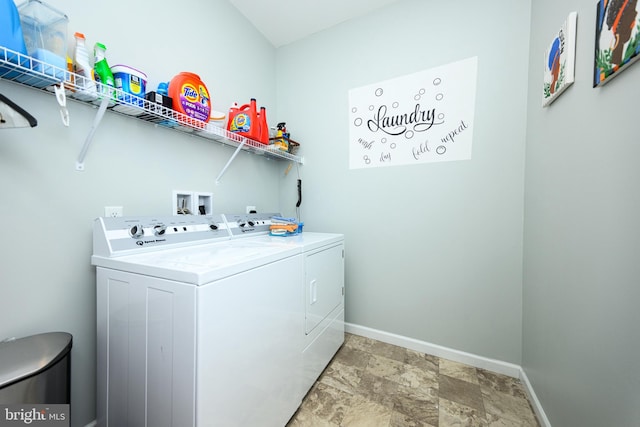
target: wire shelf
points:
(28, 71)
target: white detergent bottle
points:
(86, 87)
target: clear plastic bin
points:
(45, 34)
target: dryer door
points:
(324, 282)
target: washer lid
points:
(200, 264)
(25, 357)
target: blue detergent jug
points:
(11, 36)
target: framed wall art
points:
(617, 38)
(559, 61)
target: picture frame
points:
(617, 43)
(559, 61)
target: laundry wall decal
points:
(417, 118)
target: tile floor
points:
(373, 384)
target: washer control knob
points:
(213, 226)
(136, 231)
(241, 223)
(251, 223)
(159, 229)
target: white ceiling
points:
(285, 21)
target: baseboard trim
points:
(533, 399)
(493, 365)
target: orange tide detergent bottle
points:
(245, 120)
(191, 98)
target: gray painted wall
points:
(47, 208)
(434, 251)
(581, 237)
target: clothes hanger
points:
(12, 116)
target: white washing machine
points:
(197, 327)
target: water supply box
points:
(45, 35)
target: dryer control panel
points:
(241, 225)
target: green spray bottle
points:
(103, 71)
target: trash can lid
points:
(28, 356)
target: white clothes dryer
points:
(324, 289)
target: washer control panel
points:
(126, 235)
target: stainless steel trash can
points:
(36, 369)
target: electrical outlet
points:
(251, 209)
(113, 211)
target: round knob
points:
(136, 231)
(241, 224)
(251, 223)
(159, 230)
(213, 226)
